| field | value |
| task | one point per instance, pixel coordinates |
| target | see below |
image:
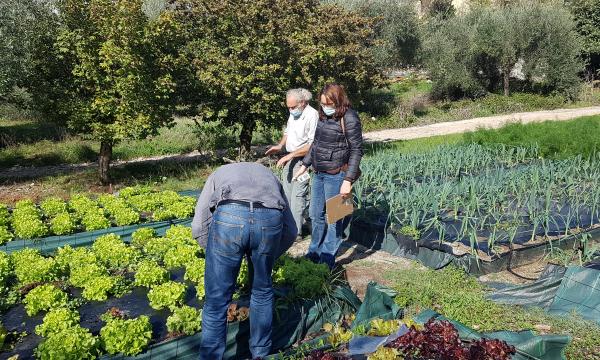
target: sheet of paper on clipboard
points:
(338, 208)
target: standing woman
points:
(335, 156)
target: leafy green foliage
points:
(275, 59)
(166, 295)
(95, 219)
(380, 327)
(31, 267)
(5, 235)
(128, 337)
(5, 269)
(307, 279)
(44, 297)
(53, 206)
(411, 232)
(57, 320)
(27, 222)
(180, 256)
(194, 271)
(82, 274)
(119, 209)
(62, 224)
(149, 273)
(475, 53)
(97, 288)
(140, 237)
(185, 320)
(113, 252)
(72, 343)
(4, 215)
(587, 20)
(116, 80)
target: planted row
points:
(55, 216)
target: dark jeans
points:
(237, 231)
(326, 239)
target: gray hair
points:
(300, 94)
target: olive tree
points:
(245, 54)
(484, 50)
(107, 74)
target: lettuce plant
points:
(5, 235)
(140, 237)
(149, 273)
(57, 320)
(31, 267)
(167, 295)
(72, 343)
(53, 206)
(128, 337)
(113, 252)
(44, 297)
(62, 224)
(185, 320)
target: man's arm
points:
(277, 148)
(202, 214)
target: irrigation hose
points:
(509, 268)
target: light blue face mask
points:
(329, 111)
(296, 113)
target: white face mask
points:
(329, 111)
(296, 112)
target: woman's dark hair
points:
(337, 94)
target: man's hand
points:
(300, 171)
(275, 149)
(346, 189)
(284, 160)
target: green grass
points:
(460, 297)
(407, 103)
(560, 139)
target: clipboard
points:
(337, 208)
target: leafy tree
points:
(21, 23)
(396, 30)
(485, 49)
(245, 54)
(587, 20)
(108, 73)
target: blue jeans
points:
(326, 239)
(237, 231)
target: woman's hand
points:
(346, 189)
(300, 171)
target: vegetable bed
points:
(118, 298)
(55, 216)
(483, 201)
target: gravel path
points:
(492, 122)
(445, 128)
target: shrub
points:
(167, 295)
(149, 273)
(185, 320)
(57, 320)
(129, 337)
(44, 297)
(31, 267)
(73, 343)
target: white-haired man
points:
(297, 139)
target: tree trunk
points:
(106, 150)
(245, 141)
(506, 76)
